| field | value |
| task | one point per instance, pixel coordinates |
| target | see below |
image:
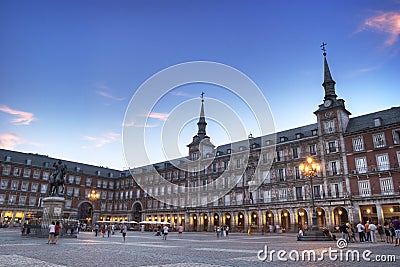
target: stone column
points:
(379, 213)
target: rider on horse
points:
(57, 179)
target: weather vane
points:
(202, 96)
(323, 48)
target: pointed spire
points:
(202, 120)
(329, 83)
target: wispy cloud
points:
(107, 95)
(23, 117)
(135, 124)
(157, 115)
(103, 140)
(180, 93)
(9, 140)
(388, 22)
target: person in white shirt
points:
(52, 231)
(360, 230)
(165, 232)
(373, 228)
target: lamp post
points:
(310, 169)
(93, 196)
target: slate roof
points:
(40, 161)
(366, 122)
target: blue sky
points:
(68, 69)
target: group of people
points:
(54, 232)
(369, 232)
(222, 231)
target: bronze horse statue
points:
(57, 179)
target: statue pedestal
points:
(53, 208)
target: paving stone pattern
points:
(190, 249)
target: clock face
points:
(327, 103)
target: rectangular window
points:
(22, 200)
(24, 186)
(238, 163)
(299, 193)
(105, 184)
(297, 173)
(332, 146)
(334, 167)
(280, 155)
(4, 184)
(98, 183)
(36, 174)
(71, 179)
(387, 186)
(361, 165)
(282, 194)
(14, 185)
(2, 198)
(358, 144)
(379, 140)
(317, 191)
(281, 175)
(295, 152)
(12, 199)
(45, 176)
(6, 170)
(27, 173)
(17, 172)
(70, 191)
(396, 136)
(68, 204)
(77, 180)
(34, 187)
(88, 181)
(336, 190)
(32, 201)
(267, 196)
(313, 149)
(76, 192)
(382, 161)
(364, 188)
(329, 126)
(43, 188)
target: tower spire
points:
(329, 83)
(202, 120)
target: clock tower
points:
(332, 109)
(332, 118)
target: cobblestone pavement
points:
(190, 249)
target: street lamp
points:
(310, 169)
(93, 196)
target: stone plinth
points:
(53, 207)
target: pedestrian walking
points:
(109, 231)
(124, 229)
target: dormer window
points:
(229, 151)
(377, 122)
(8, 158)
(314, 132)
(283, 139)
(195, 156)
(299, 135)
(28, 162)
(242, 148)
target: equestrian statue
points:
(57, 179)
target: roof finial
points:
(202, 96)
(323, 48)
